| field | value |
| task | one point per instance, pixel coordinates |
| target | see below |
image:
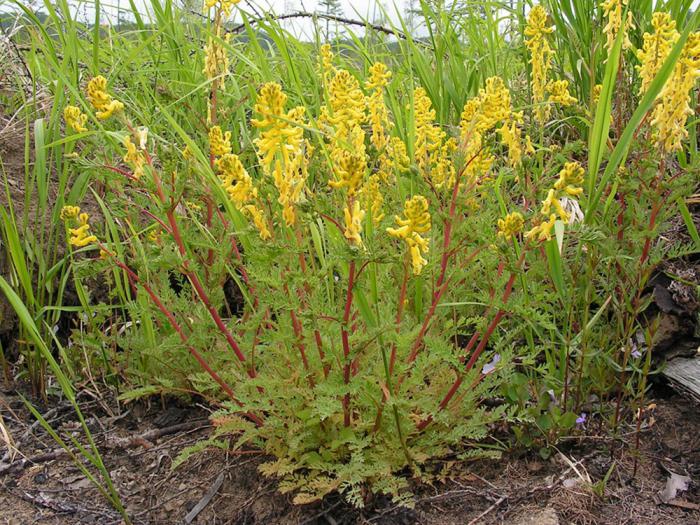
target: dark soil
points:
(140, 442)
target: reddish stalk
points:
(196, 283)
(642, 260)
(134, 279)
(399, 315)
(346, 341)
(479, 349)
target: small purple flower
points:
(635, 350)
(491, 366)
(581, 420)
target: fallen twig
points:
(490, 509)
(145, 440)
(208, 495)
(26, 462)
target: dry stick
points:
(322, 16)
(346, 342)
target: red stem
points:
(346, 342)
(479, 349)
(134, 279)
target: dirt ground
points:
(42, 485)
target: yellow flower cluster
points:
(511, 225)
(544, 92)
(537, 32)
(512, 138)
(378, 112)
(349, 171)
(239, 186)
(326, 67)
(235, 179)
(79, 236)
(372, 194)
(433, 149)
(225, 6)
(480, 115)
(416, 222)
(343, 117)
(346, 109)
(656, 48)
(219, 142)
(215, 58)
(69, 212)
(559, 93)
(673, 106)
(613, 11)
(102, 101)
(353, 223)
(568, 185)
(75, 118)
(281, 147)
(134, 157)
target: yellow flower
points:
(259, 221)
(326, 68)
(494, 104)
(394, 159)
(235, 180)
(80, 236)
(215, 57)
(347, 103)
(553, 202)
(597, 90)
(219, 142)
(224, 5)
(559, 93)
(673, 106)
(154, 235)
(75, 118)
(349, 171)
(134, 157)
(417, 221)
(372, 194)
(570, 179)
(480, 115)
(543, 231)
(353, 224)
(433, 150)
(281, 147)
(69, 212)
(511, 225)
(541, 53)
(512, 138)
(378, 112)
(568, 185)
(613, 9)
(379, 76)
(428, 136)
(101, 100)
(656, 48)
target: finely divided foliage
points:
(361, 277)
